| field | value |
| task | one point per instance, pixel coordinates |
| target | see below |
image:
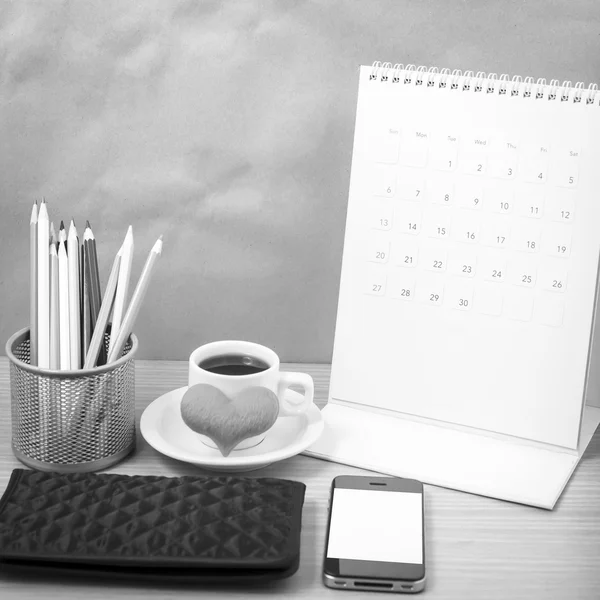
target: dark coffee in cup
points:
(233, 364)
(222, 365)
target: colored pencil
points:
(136, 301)
(107, 305)
(122, 287)
(33, 283)
(95, 293)
(43, 287)
(54, 310)
(74, 302)
(64, 306)
(62, 234)
(86, 325)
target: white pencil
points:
(33, 283)
(126, 252)
(43, 287)
(102, 322)
(54, 310)
(74, 302)
(64, 307)
(136, 301)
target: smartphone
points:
(375, 535)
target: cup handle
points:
(292, 409)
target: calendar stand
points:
(470, 461)
(466, 350)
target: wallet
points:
(197, 529)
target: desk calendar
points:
(464, 349)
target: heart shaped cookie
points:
(228, 421)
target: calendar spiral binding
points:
(489, 83)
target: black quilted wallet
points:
(207, 529)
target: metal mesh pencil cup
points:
(71, 421)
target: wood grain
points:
(476, 548)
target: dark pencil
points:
(62, 233)
(86, 331)
(95, 293)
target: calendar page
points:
(470, 261)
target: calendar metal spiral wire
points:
(71, 421)
(488, 83)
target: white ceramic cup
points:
(232, 385)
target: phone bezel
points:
(364, 571)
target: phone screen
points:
(376, 525)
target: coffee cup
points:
(233, 366)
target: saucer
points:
(163, 428)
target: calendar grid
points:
(512, 218)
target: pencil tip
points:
(62, 225)
(160, 237)
(87, 224)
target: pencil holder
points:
(71, 421)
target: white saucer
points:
(163, 428)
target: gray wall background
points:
(228, 128)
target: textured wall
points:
(227, 127)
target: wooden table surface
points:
(476, 547)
